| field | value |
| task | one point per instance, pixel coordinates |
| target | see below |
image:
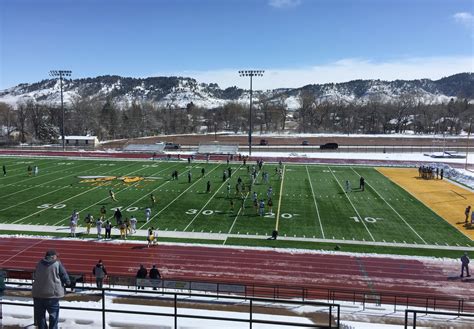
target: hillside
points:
(180, 91)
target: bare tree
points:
(307, 102)
(8, 119)
(21, 122)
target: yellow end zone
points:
(446, 199)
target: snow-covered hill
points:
(179, 91)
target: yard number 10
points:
(366, 219)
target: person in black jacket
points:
(465, 265)
(154, 274)
(141, 274)
(100, 273)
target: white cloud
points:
(338, 71)
(464, 18)
(284, 3)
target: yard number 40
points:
(366, 219)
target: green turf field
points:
(308, 200)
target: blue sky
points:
(296, 41)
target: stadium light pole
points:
(61, 74)
(251, 74)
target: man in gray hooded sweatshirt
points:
(50, 277)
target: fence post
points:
(406, 319)
(103, 309)
(414, 319)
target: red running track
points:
(313, 271)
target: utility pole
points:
(251, 74)
(467, 143)
(61, 74)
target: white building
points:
(89, 141)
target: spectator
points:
(141, 274)
(154, 275)
(466, 212)
(100, 273)
(50, 277)
(465, 265)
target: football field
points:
(309, 201)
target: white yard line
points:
(203, 207)
(401, 217)
(315, 203)
(39, 196)
(360, 217)
(243, 205)
(48, 182)
(62, 201)
(118, 192)
(277, 222)
(66, 168)
(198, 180)
(427, 206)
(51, 191)
(23, 167)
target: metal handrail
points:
(415, 312)
(305, 293)
(176, 297)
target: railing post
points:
(103, 309)
(251, 314)
(175, 311)
(406, 319)
(330, 316)
(414, 319)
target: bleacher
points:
(149, 148)
(216, 148)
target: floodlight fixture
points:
(251, 74)
(61, 74)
